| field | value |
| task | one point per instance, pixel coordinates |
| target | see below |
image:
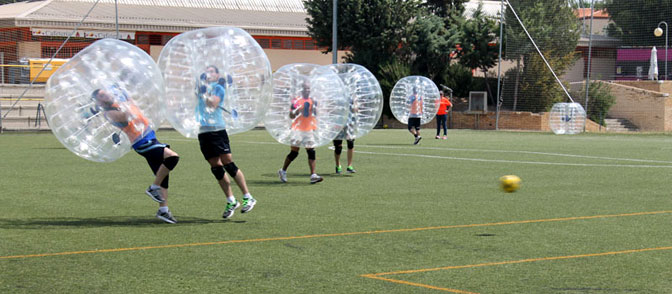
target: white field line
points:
(514, 161)
(485, 160)
(521, 152)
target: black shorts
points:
(414, 122)
(214, 144)
(154, 157)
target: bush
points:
(600, 100)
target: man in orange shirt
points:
(442, 116)
(120, 110)
(304, 124)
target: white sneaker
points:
(314, 178)
(248, 204)
(155, 194)
(283, 175)
(166, 216)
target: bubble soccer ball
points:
(567, 118)
(129, 82)
(309, 106)
(415, 96)
(509, 183)
(202, 65)
(364, 96)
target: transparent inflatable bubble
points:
(309, 106)
(104, 99)
(415, 96)
(201, 66)
(365, 98)
(567, 118)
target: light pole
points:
(659, 32)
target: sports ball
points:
(203, 64)
(415, 96)
(128, 78)
(509, 183)
(309, 106)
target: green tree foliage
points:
(388, 76)
(555, 29)
(634, 21)
(428, 46)
(479, 43)
(539, 93)
(371, 29)
(599, 103)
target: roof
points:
(260, 17)
(585, 12)
(253, 5)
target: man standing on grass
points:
(415, 103)
(303, 111)
(214, 142)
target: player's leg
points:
(351, 155)
(338, 148)
(314, 177)
(239, 178)
(293, 153)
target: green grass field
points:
(593, 216)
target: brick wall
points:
(508, 120)
(649, 110)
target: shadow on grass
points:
(105, 221)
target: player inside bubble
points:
(122, 112)
(303, 113)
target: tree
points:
(555, 29)
(371, 29)
(479, 43)
(428, 46)
(445, 8)
(634, 21)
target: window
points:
(264, 43)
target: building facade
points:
(37, 29)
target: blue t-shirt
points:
(208, 117)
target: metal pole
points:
(666, 39)
(334, 34)
(2, 70)
(499, 64)
(590, 52)
(116, 17)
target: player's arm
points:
(295, 110)
(215, 97)
(117, 116)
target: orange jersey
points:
(416, 105)
(305, 120)
(443, 106)
(137, 124)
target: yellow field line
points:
(332, 235)
(378, 276)
(417, 284)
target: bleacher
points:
(22, 115)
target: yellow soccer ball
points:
(509, 183)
